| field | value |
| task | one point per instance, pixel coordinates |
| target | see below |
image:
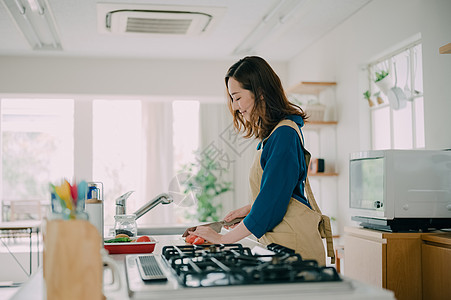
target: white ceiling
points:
(77, 25)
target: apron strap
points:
(324, 227)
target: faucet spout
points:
(121, 203)
(162, 198)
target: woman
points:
(280, 212)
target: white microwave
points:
(398, 190)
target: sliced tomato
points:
(190, 238)
(143, 239)
(198, 241)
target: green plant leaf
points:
(381, 75)
(206, 184)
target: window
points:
(397, 122)
(186, 132)
(117, 159)
(136, 145)
(186, 142)
(37, 147)
(139, 146)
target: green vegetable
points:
(119, 240)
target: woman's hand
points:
(237, 213)
(213, 237)
(207, 234)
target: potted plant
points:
(367, 96)
(205, 182)
(383, 81)
(378, 98)
(381, 75)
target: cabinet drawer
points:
(365, 260)
(436, 272)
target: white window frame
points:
(370, 69)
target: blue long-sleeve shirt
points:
(284, 173)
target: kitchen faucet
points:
(162, 198)
(121, 201)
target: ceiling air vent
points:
(158, 22)
(154, 25)
(155, 19)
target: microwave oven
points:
(401, 190)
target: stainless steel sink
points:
(168, 230)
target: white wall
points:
(115, 76)
(377, 28)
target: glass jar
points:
(126, 224)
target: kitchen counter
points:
(347, 289)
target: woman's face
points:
(242, 99)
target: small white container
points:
(94, 209)
(315, 112)
(94, 206)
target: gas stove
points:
(233, 271)
(233, 264)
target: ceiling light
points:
(35, 20)
(269, 23)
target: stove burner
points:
(233, 264)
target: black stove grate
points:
(233, 264)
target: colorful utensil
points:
(68, 201)
(74, 193)
(63, 191)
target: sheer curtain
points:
(157, 160)
(234, 154)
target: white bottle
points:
(94, 209)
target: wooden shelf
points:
(445, 49)
(318, 124)
(310, 87)
(325, 123)
(322, 174)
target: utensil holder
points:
(73, 264)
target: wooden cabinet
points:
(436, 265)
(412, 265)
(383, 259)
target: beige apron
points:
(302, 228)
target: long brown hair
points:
(271, 104)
